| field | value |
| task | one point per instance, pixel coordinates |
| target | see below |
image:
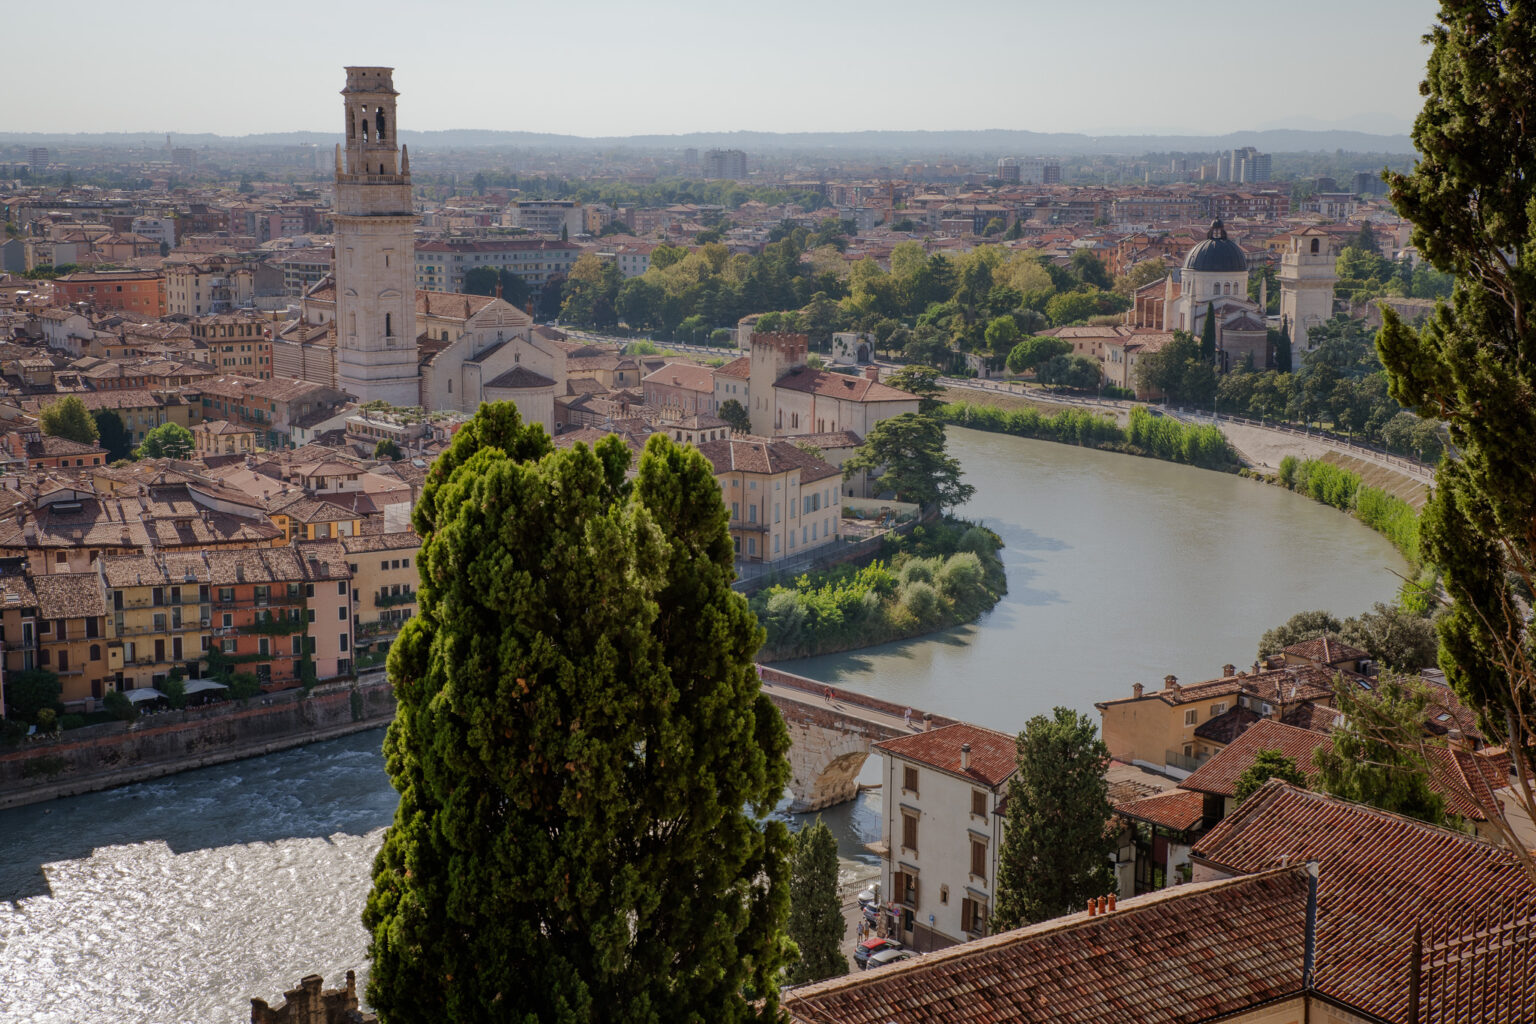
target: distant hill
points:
(912, 144)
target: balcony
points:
(392, 600)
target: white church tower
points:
(1307, 276)
(375, 247)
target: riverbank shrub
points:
(1157, 437)
(940, 575)
(1388, 515)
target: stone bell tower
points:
(375, 225)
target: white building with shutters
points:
(942, 832)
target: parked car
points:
(870, 947)
(890, 956)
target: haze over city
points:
(611, 68)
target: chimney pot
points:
(1111, 903)
(927, 721)
(965, 757)
(1093, 908)
(1136, 689)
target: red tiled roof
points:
(1326, 650)
(841, 385)
(1380, 875)
(764, 455)
(994, 755)
(1219, 775)
(1178, 809)
(1185, 954)
(738, 367)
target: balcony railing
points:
(391, 600)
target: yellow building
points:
(160, 616)
(221, 437)
(1177, 728)
(300, 516)
(782, 499)
(72, 634)
(384, 580)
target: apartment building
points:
(442, 264)
(385, 576)
(71, 633)
(782, 499)
(161, 616)
(131, 291)
(942, 832)
(238, 343)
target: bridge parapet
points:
(831, 732)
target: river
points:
(178, 899)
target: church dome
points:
(1217, 254)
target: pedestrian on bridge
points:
(828, 691)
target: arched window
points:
(1314, 245)
(95, 652)
(362, 128)
(379, 123)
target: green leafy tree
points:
(117, 704)
(922, 381)
(1297, 629)
(735, 414)
(1366, 763)
(30, 691)
(1396, 638)
(485, 280)
(1056, 847)
(909, 453)
(1002, 335)
(1269, 764)
(167, 441)
(1090, 270)
(591, 292)
(244, 686)
(1080, 372)
(1028, 354)
(113, 436)
(816, 921)
(387, 449)
(175, 689)
(584, 757)
(68, 418)
(1208, 334)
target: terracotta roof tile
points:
(1219, 775)
(841, 385)
(1186, 954)
(1178, 809)
(994, 755)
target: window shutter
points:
(965, 914)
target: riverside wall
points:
(115, 754)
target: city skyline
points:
(609, 70)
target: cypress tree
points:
(1055, 853)
(1283, 361)
(1472, 201)
(816, 921)
(1208, 335)
(581, 748)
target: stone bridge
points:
(831, 731)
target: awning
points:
(202, 685)
(143, 694)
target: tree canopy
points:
(167, 441)
(922, 381)
(1269, 764)
(736, 415)
(1366, 762)
(584, 757)
(1297, 629)
(387, 449)
(68, 418)
(112, 435)
(30, 691)
(1028, 354)
(909, 452)
(1056, 847)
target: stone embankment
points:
(115, 754)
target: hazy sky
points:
(623, 67)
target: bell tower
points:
(375, 224)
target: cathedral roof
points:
(1217, 254)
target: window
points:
(978, 859)
(341, 588)
(979, 803)
(909, 831)
(342, 641)
(1218, 709)
(229, 620)
(262, 646)
(944, 895)
(1191, 717)
(973, 916)
(229, 645)
(341, 613)
(909, 780)
(906, 887)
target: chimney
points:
(1111, 903)
(1136, 689)
(1093, 908)
(1169, 682)
(1255, 668)
(965, 757)
(1228, 671)
(927, 721)
(872, 373)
